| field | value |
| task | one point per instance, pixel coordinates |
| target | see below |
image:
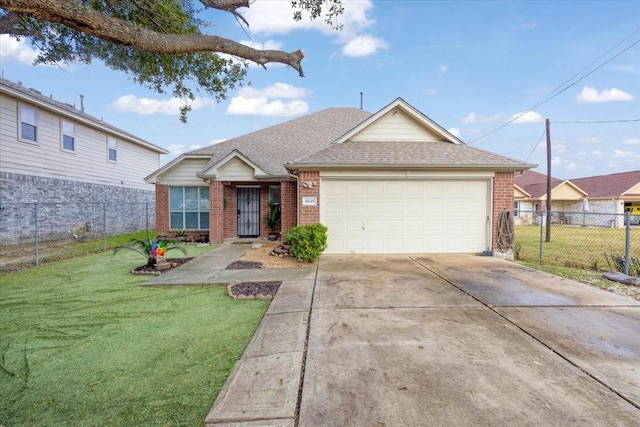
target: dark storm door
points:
(248, 212)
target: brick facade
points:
(502, 200)
(162, 209)
(289, 199)
(309, 186)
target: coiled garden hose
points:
(506, 233)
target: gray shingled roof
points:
(272, 147)
(612, 185)
(431, 154)
(71, 110)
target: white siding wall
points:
(395, 127)
(88, 163)
(184, 173)
(235, 170)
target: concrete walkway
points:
(429, 340)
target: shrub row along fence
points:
(594, 241)
(34, 232)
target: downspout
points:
(294, 176)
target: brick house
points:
(389, 182)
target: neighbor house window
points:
(28, 123)
(112, 151)
(516, 208)
(68, 136)
(189, 208)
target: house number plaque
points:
(309, 201)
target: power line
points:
(600, 121)
(536, 146)
(560, 89)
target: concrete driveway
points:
(461, 340)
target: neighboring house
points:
(51, 152)
(570, 199)
(389, 182)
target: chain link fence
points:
(31, 233)
(593, 241)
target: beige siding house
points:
(51, 152)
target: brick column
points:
(502, 200)
(162, 209)
(216, 212)
(289, 200)
(309, 214)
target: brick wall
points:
(162, 209)
(229, 214)
(216, 212)
(502, 200)
(309, 214)
(289, 199)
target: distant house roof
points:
(31, 95)
(535, 183)
(612, 185)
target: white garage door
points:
(405, 216)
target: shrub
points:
(308, 241)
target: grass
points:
(572, 246)
(82, 344)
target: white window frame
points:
(183, 211)
(112, 147)
(516, 209)
(67, 129)
(32, 121)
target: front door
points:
(248, 212)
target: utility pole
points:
(548, 227)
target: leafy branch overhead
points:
(159, 43)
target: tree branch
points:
(228, 6)
(89, 21)
(10, 23)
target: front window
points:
(112, 151)
(68, 136)
(28, 124)
(189, 208)
(516, 208)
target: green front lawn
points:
(571, 246)
(82, 344)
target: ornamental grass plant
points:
(82, 344)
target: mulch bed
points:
(175, 262)
(258, 290)
(244, 265)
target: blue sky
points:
(471, 66)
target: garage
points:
(376, 216)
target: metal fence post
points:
(627, 243)
(104, 225)
(35, 217)
(541, 229)
(146, 215)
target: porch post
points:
(216, 209)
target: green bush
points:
(308, 241)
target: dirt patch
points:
(244, 265)
(264, 256)
(250, 290)
(145, 269)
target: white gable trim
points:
(411, 112)
(212, 171)
(152, 179)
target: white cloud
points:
(473, 118)
(529, 26)
(19, 51)
(589, 140)
(363, 45)
(276, 17)
(596, 153)
(632, 141)
(444, 69)
(176, 149)
(454, 131)
(147, 106)
(527, 117)
(571, 165)
(430, 91)
(559, 148)
(590, 95)
(250, 101)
